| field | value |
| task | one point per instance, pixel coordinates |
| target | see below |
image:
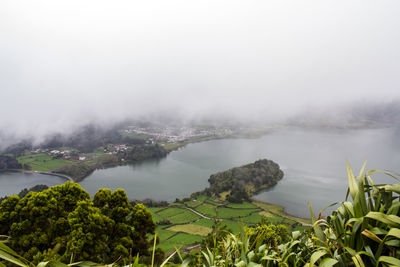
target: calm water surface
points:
(11, 183)
(314, 163)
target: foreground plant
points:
(11, 257)
(363, 231)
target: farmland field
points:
(186, 224)
(191, 229)
(227, 213)
(207, 209)
(42, 162)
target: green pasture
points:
(192, 229)
(228, 213)
(246, 205)
(187, 228)
(185, 217)
(207, 210)
(280, 211)
(42, 161)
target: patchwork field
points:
(182, 225)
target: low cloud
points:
(67, 63)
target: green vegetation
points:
(361, 232)
(205, 222)
(247, 205)
(77, 171)
(184, 217)
(279, 211)
(168, 213)
(137, 153)
(239, 184)
(180, 218)
(207, 209)
(164, 234)
(63, 223)
(180, 240)
(42, 161)
(9, 162)
(25, 191)
(192, 229)
(229, 213)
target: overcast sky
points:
(67, 62)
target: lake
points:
(313, 161)
(11, 183)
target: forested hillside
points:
(7, 162)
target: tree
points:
(131, 224)
(62, 221)
(39, 220)
(89, 233)
(238, 194)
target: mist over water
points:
(64, 64)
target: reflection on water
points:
(314, 163)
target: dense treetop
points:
(63, 222)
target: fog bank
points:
(67, 63)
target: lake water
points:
(11, 183)
(313, 161)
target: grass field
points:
(164, 234)
(156, 218)
(169, 212)
(42, 162)
(192, 229)
(253, 218)
(246, 205)
(184, 217)
(232, 226)
(280, 211)
(185, 228)
(180, 240)
(207, 209)
(194, 203)
(268, 214)
(227, 213)
(205, 222)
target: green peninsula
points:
(240, 183)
